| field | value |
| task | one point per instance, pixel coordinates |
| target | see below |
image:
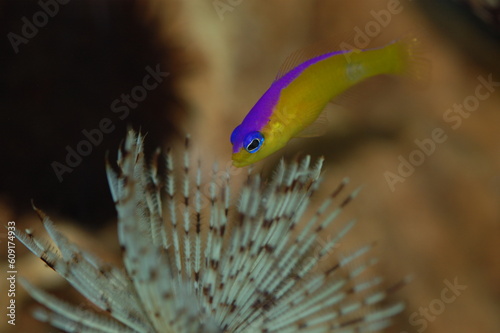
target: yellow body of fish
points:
(295, 100)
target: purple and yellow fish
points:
(298, 96)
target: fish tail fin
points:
(411, 61)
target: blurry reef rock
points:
(471, 25)
(66, 85)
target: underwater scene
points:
(250, 166)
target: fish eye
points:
(253, 142)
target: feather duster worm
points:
(229, 266)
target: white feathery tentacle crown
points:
(245, 265)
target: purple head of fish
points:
(257, 118)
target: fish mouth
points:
(240, 160)
(239, 164)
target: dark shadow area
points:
(67, 70)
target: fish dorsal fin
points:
(293, 60)
(317, 128)
(313, 50)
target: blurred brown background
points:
(441, 223)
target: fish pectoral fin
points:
(357, 94)
(317, 128)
